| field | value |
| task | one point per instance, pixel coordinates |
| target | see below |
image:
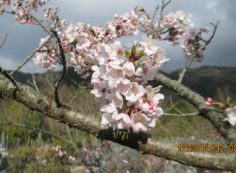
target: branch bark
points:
(140, 141)
(63, 62)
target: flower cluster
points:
(120, 80)
(80, 41)
(46, 57)
(144, 21)
(60, 153)
(124, 25)
(175, 24)
(192, 45)
(178, 28)
(21, 9)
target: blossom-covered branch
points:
(119, 76)
(139, 141)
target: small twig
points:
(215, 26)
(49, 82)
(163, 6)
(182, 115)
(63, 61)
(174, 107)
(3, 41)
(152, 30)
(40, 24)
(8, 76)
(34, 83)
(71, 140)
(187, 66)
(154, 14)
(171, 106)
(27, 59)
(179, 113)
(73, 97)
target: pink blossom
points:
(147, 106)
(136, 92)
(129, 68)
(149, 47)
(45, 61)
(115, 98)
(115, 75)
(209, 101)
(123, 120)
(137, 127)
(124, 86)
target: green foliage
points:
(14, 112)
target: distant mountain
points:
(71, 77)
(209, 81)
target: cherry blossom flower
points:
(209, 101)
(136, 92)
(129, 68)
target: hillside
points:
(211, 81)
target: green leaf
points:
(127, 53)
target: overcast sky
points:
(24, 39)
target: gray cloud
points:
(24, 39)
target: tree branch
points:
(163, 6)
(8, 76)
(3, 41)
(63, 61)
(27, 59)
(139, 141)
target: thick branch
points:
(8, 76)
(215, 116)
(139, 141)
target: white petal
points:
(129, 68)
(139, 127)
